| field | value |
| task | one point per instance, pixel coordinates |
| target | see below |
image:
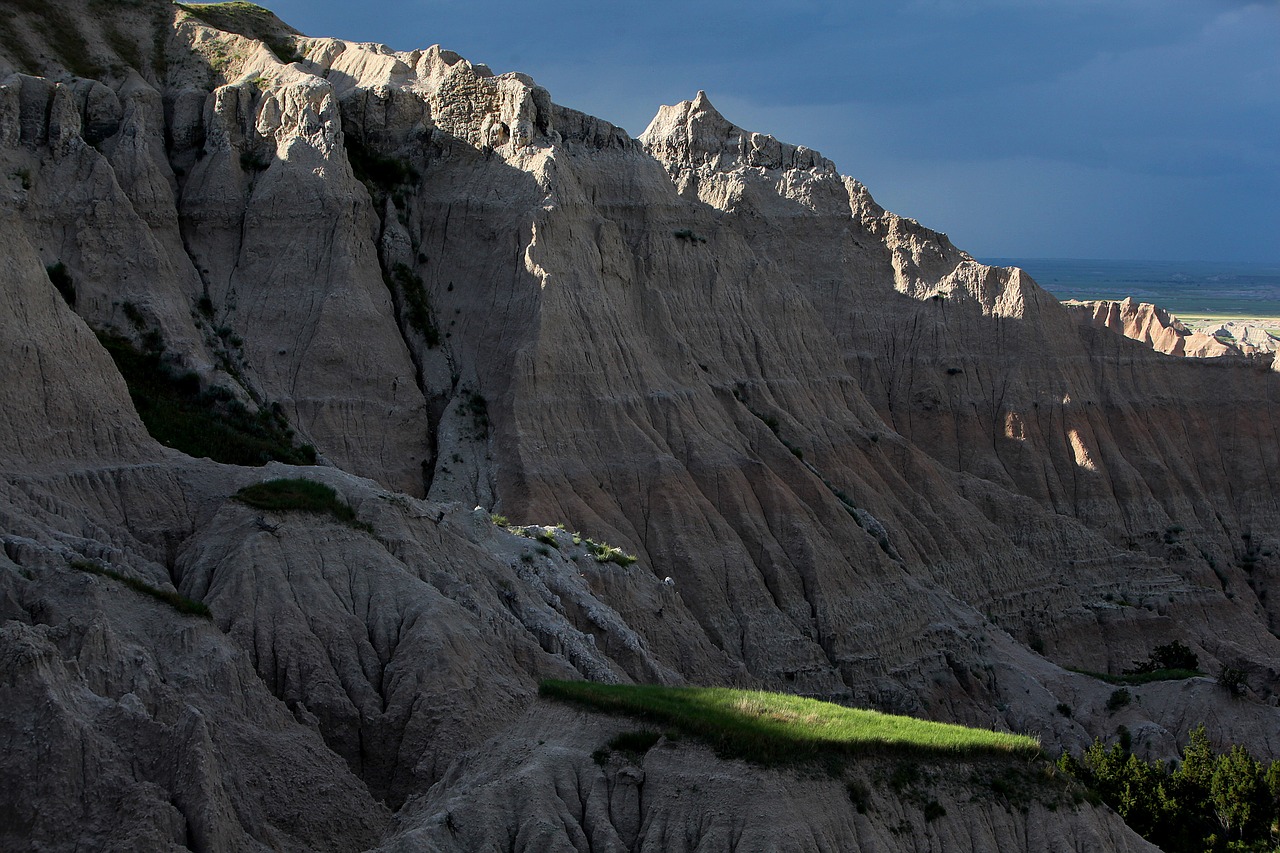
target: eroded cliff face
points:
(1165, 333)
(876, 470)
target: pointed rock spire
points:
(694, 133)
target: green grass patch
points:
(211, 422)
(251, 21)
(180, 603)
(606, 553)
(776, 728)
(1141, 677)
(301, 496)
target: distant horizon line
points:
(1271, 263)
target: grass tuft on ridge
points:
(776, 728)
(1132, 678)
(180, 603)
(299, 495)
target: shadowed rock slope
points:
(877, 470)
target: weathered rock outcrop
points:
(1209, 338)
(877, 470)
(1152, 325)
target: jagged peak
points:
(694, 133)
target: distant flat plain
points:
(1195, 291)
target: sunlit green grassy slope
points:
(776, 727)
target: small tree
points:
(1175, 655)
(1233, 680)
(1238, 792)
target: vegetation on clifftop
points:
(1212, 801)
(249, 20)
(776, 728)
(301, 496)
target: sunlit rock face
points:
(874, 469)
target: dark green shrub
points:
(636, 742)
(380, 174)
(1140, 677)
(478, 407)
(1118, 699)
(298, 495)
(1233, 679)
(212, 423)
(415, 302)
(1173, 656)
(1210, 802)
(605, 553)
(133, 315)
(859, 795)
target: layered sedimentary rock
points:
(1153, 325)
(1207, 338)
(876, 470)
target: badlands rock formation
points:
(1168, 334)
(878, 471)
(1152, 325)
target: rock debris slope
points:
(878, 471)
